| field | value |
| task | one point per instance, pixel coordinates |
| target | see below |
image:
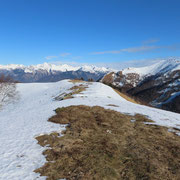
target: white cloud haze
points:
(65, 54)
(150, 41)
(143, 48)
(50, 57)
(129, 50)
(61, 55)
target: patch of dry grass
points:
(77, 89)
(126, 97)
(76, 81)
(101, 144)
(108, 78)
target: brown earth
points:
(100, 144)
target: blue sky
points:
(88, 31)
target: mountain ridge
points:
(157, 85)
(54, 67)
(51, 73)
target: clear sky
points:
(88, 31)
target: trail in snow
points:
(22, 121)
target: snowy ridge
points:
(163, 66)
(20, 122)
(53, 67)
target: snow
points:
(12, 66)
(175, 83)
(53, 67)
(163, 66)
(25, 119)
(20, 123)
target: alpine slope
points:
(26, 118)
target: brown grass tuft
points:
(101, 144)
(108, 78)
(77, 89)
(76, 81)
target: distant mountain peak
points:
(162, 66)
(53, 67)
(47, 72)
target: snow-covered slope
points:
(163, 66)
(21, 121)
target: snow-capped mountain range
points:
(50, 72)
(53, 67)
(157, 85)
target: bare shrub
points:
(7, 89)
